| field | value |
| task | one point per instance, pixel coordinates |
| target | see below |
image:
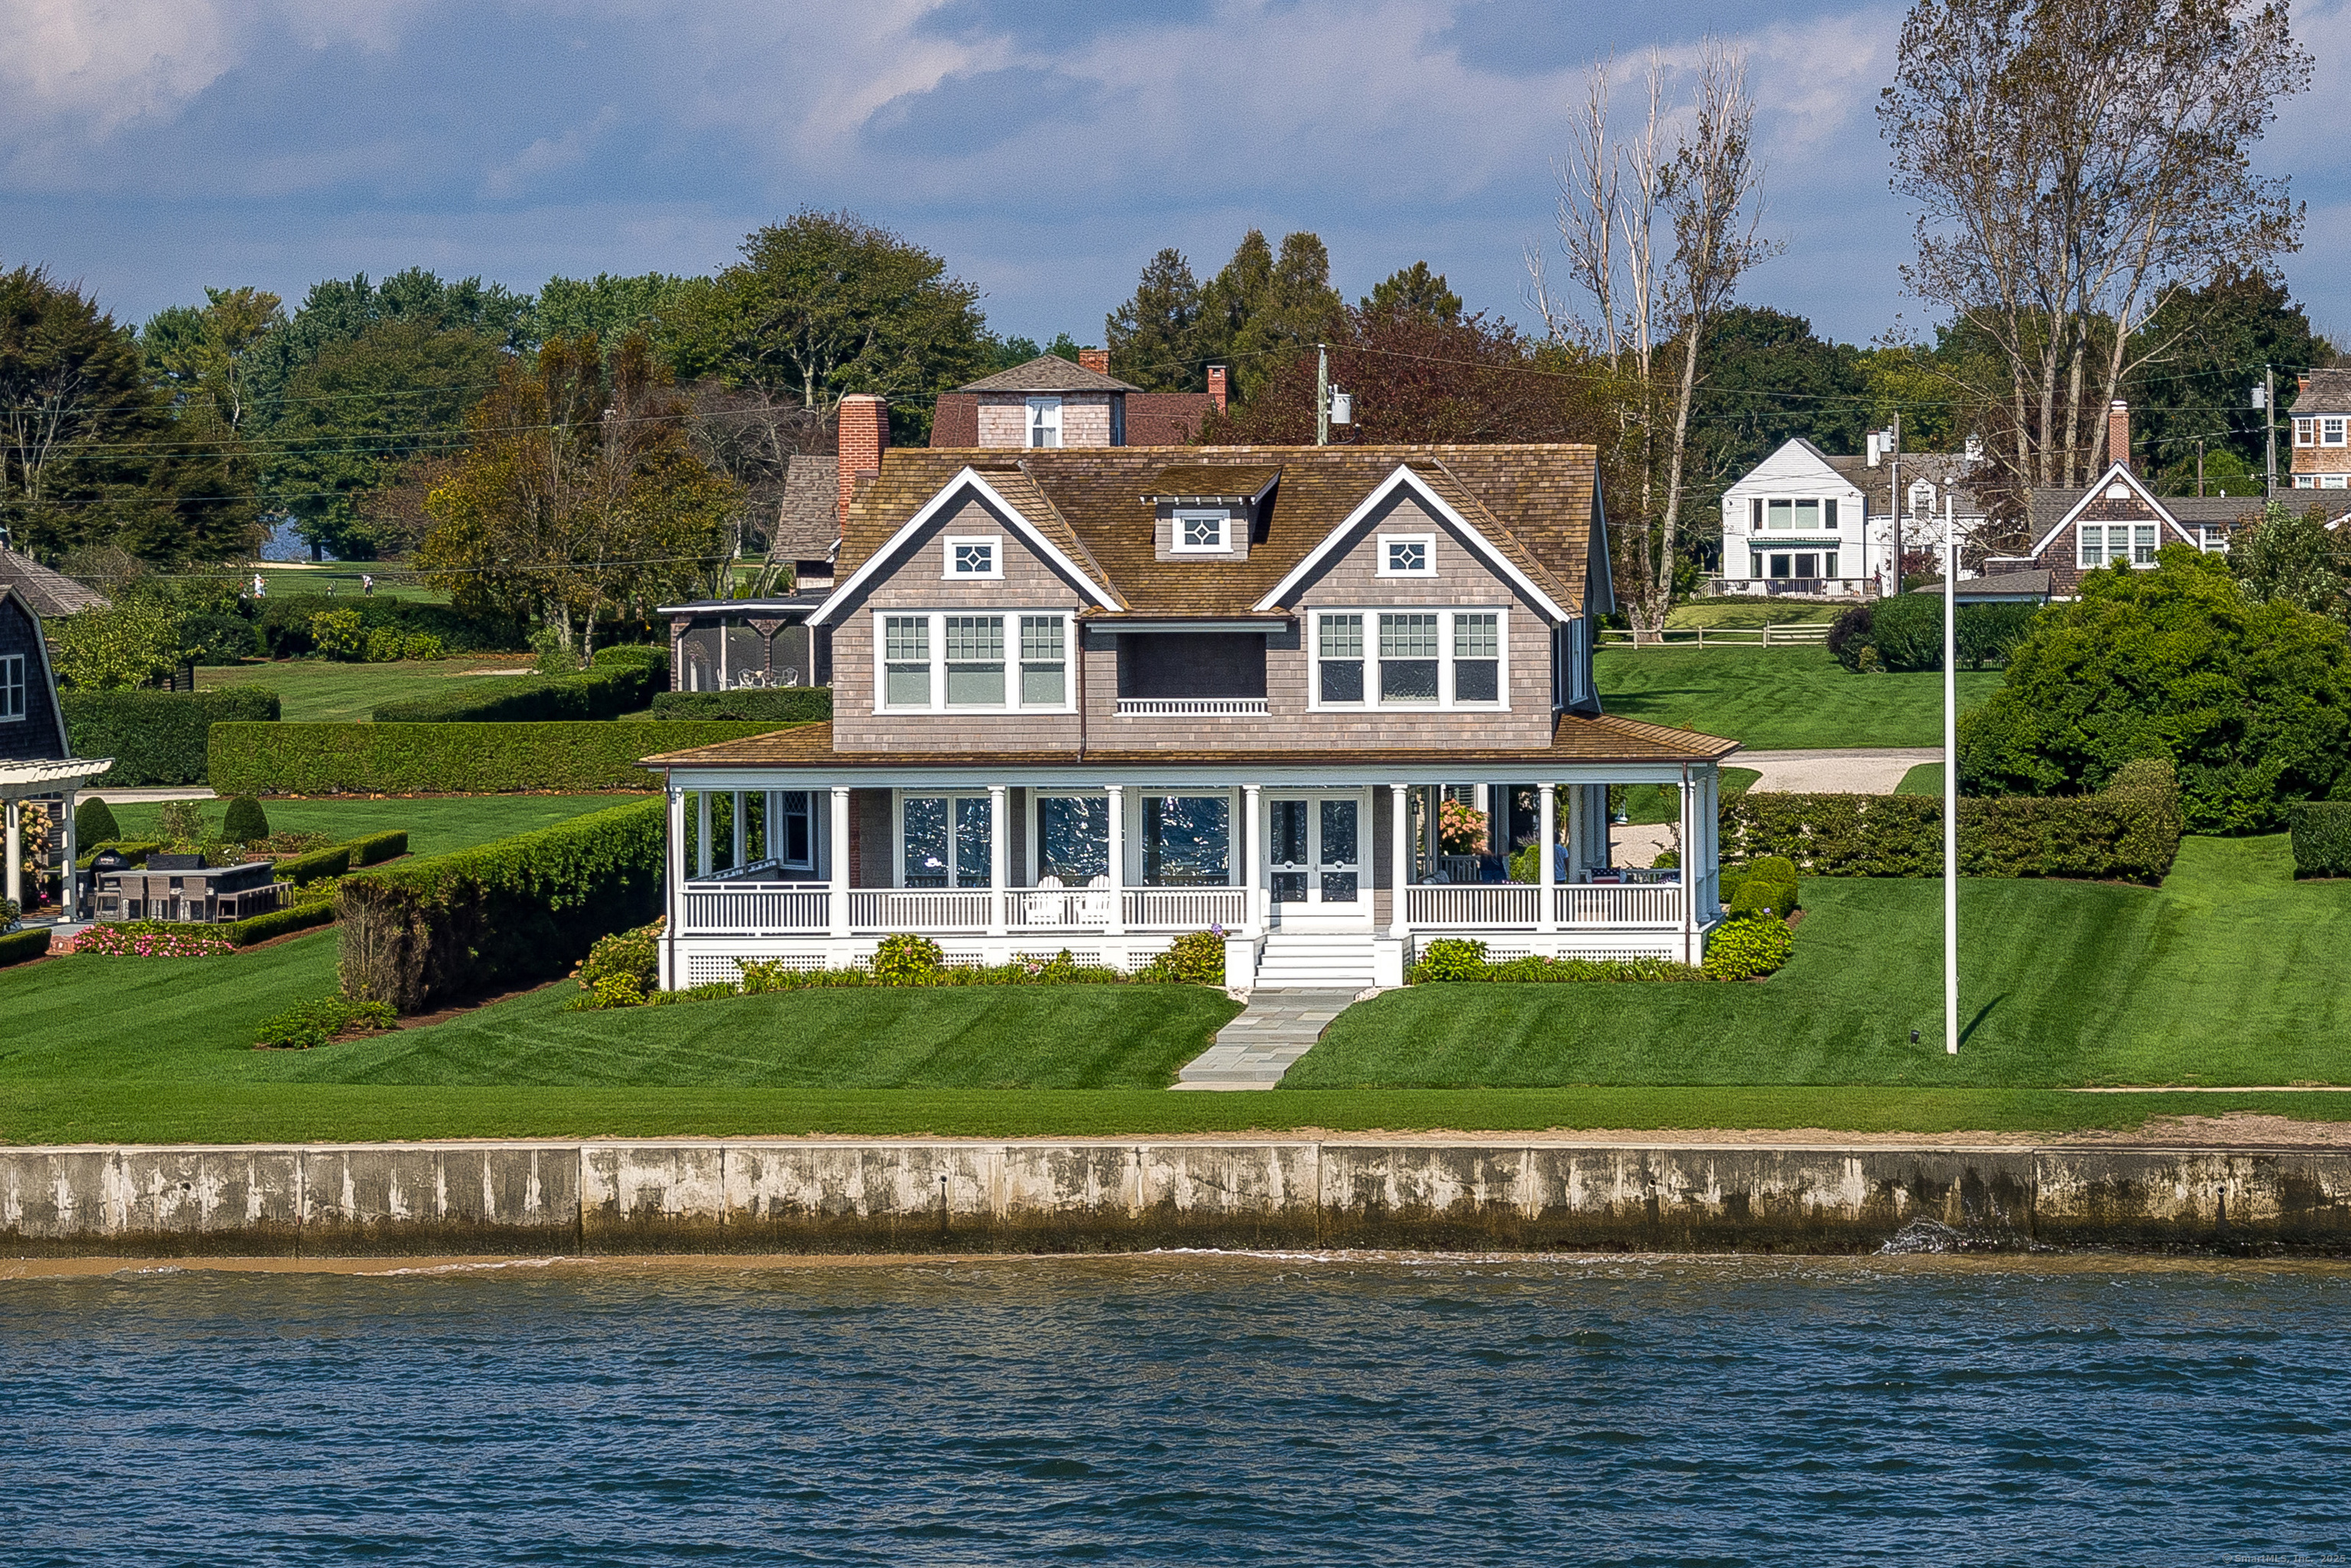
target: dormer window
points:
(1407, 555)
(1204, 531)
(974, 558)
(1044, 421)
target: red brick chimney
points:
(865, 430)
(1094, 359)
(2118, 433)
(1217, 385)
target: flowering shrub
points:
(620, 970)
(1460, 828)
(1746, 947)
(147, 940)
(907, 960)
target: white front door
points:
(1318, 877)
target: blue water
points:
(1181, 1409)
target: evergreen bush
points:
(449, 758)
(604, 692)
(94, 822)
(246, 823)
(2322, 839)
(518, 910)
(282, 626)
(300, 916)
(1744, 948)
(21, 947)
(158, 737)
(779, 704)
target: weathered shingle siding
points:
(1004, 419)
(39, 735)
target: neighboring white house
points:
(1803, 523)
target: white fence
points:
(1618, 904)
(1788, 635)
(1186, 908)
(1482, 906)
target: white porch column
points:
(673, 895)
(1399, 856)
(836, 863)
(702, 833)
(770, 804)
(1117, 793)
(1685, 843)
(1546, 911)
(69, 878)
(14, 818)
(1252, 860)
(998, 893)
(1574, 832)
(738, 842)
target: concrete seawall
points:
(971, 1196)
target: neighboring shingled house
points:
(808, 523)
(1050, 403)
(2322, 432)
(51, 595)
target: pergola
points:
(21, 781)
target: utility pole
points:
(1950, 777)
(2268, 426)
(2199, 465)
(1322, 395)
(1894, 506)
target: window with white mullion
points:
(12, 687)
(949, 662)
(1407, 658)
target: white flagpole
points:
(1950, 777)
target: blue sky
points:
(1044, 146)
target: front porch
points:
(1297, 869)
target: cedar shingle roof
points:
(1538, 504)
(1575, 738)
(1181, 481)
(48, 594)
(807, 522)
(2323, 391)
(1047, 373)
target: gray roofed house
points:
(51, 595)
(808, 521)
(1048, 373)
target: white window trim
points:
(1371, 614)
(1030, 409)
(995, 543)
(15, 682)
(1224, 521)
(2106, 559)
(898, 832)
(2305, 431)
(1428, 543)
(938, 656)
(2334, 430)
(2334, 481)
(808, 863)
(2306, 481)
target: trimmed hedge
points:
(2322, 837)
(284, 630)
(279, 922)
(377, 847)
(333, 860)
(158, 737)
(133, 851)
(523, 909)
(2130, 833)
(449, 758)
(1906, 632)
(784, 704)
(23, 946)
(606, 692)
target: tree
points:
(134, 642)
(1416, 377)
(2251, 701)
(825, 304)
(1154, 337)
(1412, 291)
(2079, 169)
(609, 308)
(1657, 232)
(579, 495)
(2303, 560)
(204, 357)
(1263, 307)
(2220, 337)
(1765, 379)
(355, 415)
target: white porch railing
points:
(1057, 908)
(1619, 903)
(1472, 905)
(1186, 908)
(755, 909)
(1190, 707)
(920, 909)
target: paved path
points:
(1873, 770)
(1256, 1048)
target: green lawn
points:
(288, 579)
(2228, 974)
(323, 691)
(1649, 804)
(1780, 698)
(1927, 778)
(435, 824)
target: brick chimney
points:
(2118, 433)
(1217, 386)
(864, 431)
(1094, 359)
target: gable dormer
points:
(1209, 512)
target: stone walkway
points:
(1256, 1048)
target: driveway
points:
(1870, 770)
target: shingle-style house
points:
(1092, 698)
(37, 759)
(2322, 431)
(51, 595)
(1048, 401)
(1805, 524)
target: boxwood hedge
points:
(786, 705)
(604, 692)
(449, 758)
(157, 737)
(522, 909)
(19, 946)
(2322, 837)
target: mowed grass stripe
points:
(1780, 698)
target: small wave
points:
(466, 1267)
(1930, 1236)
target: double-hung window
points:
(791, 842)
(1044, 421)
(1408, 658)
(2105, 542)
(949, 662)
(2306, 431)
(12, 687)
(2331, 430)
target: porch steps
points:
(1258, 1047)
(1314, 961)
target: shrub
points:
(22, 946)
(448, 758)
(182, 822)
(1764, 895)
(1777, 868)
(1906, 632)
(1451, 959)
(94, 822)
(211, 637)
(1849, 634)
(376, 847)
(332, 861)
(385, 644)
(1455, 960)
(623, 964)
(300, 916)
(10, 912)
(282, 625)
(152, 939)
(421, 645)
(2125, 837)
(2252, 703)
(158, 737)
(641, 654)
(781, 704)
(761, 978)
(2322, 839)
(1742, 948)
(517, 909)
(308, 1025)
(339, 635)
(246, 823)
(593, 695)
(1194, 958)
(133, 851)
(906, 959)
